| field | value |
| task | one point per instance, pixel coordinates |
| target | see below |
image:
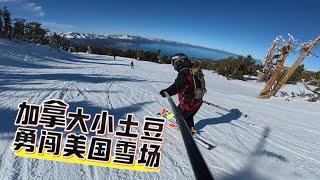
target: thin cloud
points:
(33, 7)
(27, 6)
(57, 26)
(7, 1)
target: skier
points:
(114, 57)
(132, 65)
(185, 85)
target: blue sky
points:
(243, 27)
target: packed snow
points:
(279, 139)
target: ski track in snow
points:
(279, 139)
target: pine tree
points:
(58, 42)
(18, 29)
(54, 40)
(297, 75)
(35, 33)
(7, 28)
(65, 43)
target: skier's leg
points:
(190, 120)
(188, 117)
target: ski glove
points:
(162, 93)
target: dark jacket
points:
(184, 87)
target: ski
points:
(204, 142)
(173, 124)
(169, 116)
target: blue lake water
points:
(193, 52)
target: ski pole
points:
(222, 108)
(198, 163)
(217, 106)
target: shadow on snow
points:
(86, 78)
(249, 172)
(234, 114)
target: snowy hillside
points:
(279, 140)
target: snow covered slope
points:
(279, 140)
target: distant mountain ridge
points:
(125, 37)
(134, 42)
(73, 36)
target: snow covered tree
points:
(305, 53)
(268, 65)
(276, 82)
(275, 76)
(6, 18)
(18, 29)
(272, 59)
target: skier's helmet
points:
(180, 61)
